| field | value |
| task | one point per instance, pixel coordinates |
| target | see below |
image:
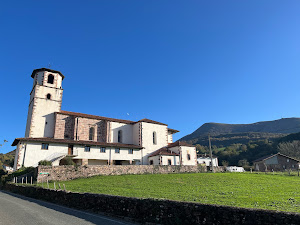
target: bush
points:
(45, 163)
(67, 161)
(22, 171)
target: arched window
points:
(120, 136)
(50, 79)
(91, 133)
(48, 96)
(154, 138)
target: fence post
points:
(31, 180)
(22, 180)
(26, 179)
(47, 184)
(54, 186)
(64, 187)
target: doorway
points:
(70, 150)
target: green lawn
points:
(275, 192)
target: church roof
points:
(46, 69)
(151, 121)
(179, 143)
(80, 142)
(163, 151)
(173, 131)
(113, 119)
(94, 117)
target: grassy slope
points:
(247, 190)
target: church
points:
(52, 134)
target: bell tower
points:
(45, 100)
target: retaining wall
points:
(158, 211)
(62, 173)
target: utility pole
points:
(210, 152)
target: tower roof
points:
(46, 69)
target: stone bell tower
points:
(45, 100)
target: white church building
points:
(52, 134)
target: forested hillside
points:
(231, 133)
(7, 159)
(240, 144)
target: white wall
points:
(109, 153)
(184, 151)
(44, 111)
(193, 155)
(207, 161)
(156, 160)
(147, 138)
(174, 160)
(170, 137)
(127, 132)
(35, 153)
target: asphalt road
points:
(19, 210)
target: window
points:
(188, 156)
(48, 96)
(120, 136)
(130, 151)
(287, 160)
(169, 162)
(87, 148)
(45, 146)
(151, 162)
(117, 150)
(102, 149)
(154, 138)
(50, 79)
(91, 133)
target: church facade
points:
(52, 134)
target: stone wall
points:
(61, 173)
(158, 211)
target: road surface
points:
(19, 210)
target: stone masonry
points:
(160, 211)
(61, 173)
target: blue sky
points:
(183, 63)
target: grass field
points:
(274, 192)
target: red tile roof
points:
(151, 121)
(94, 117)
(46, 69)
(80, 142)
(173, 131)
(113, 119)
(179, 143)
(163, 151)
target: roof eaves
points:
(46, 69)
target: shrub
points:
(45, 163)
(68, 161)
(22, 171)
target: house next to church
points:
(52, 134)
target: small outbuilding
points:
(276, 162)
(8, 168)
(205, 159)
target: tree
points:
(291, 149)
(224, 163)
(243, 162)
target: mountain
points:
(226, 134)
